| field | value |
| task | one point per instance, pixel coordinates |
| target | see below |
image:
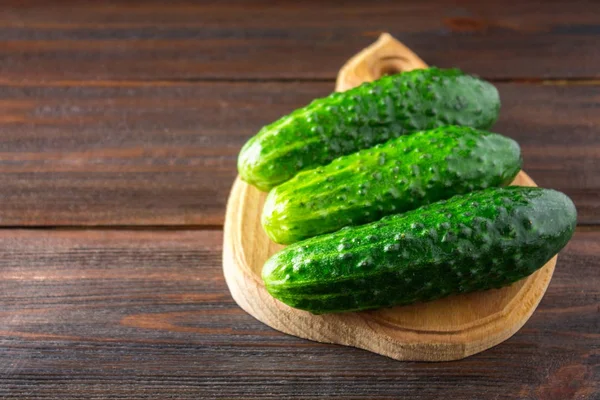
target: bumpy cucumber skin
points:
(400, 175)
(481, 240)
(360, 118)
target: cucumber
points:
(481, 240)
(400, 175)
(360, 118)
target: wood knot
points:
(389, 66)
(568, 383)
(466, 24)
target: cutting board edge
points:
(356, 329)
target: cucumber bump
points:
(343, 123)
(399, 175)
(478, 241)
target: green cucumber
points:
(478, 241)
(360, 118)
(400, 175)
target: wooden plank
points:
(132, 314)
(135, 40)
(165, 153)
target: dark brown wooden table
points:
(120, 123)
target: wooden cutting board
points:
(447, 329)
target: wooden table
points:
(119, 130)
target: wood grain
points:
(133, 314)
(443, 330)
(158, 40)
(447, 329)
(132, 113)
(385, 56)
(165, 153)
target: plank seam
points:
(556, 81)
(581, 227)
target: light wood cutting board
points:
(446, 329)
